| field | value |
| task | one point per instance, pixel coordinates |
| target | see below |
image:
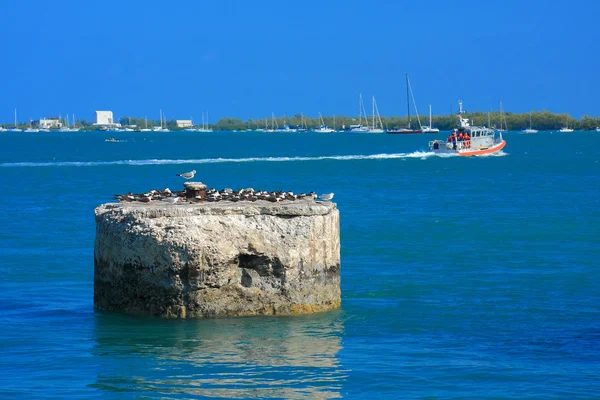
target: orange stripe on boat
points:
(482, 152)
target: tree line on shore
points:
(541, 120)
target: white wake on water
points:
(417, 154)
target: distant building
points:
(104, 118)
(183, 123)
(49, 123)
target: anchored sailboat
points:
(16, 128)
(566, 129)
(530, 129)
(323, 128)
(430, 128)
(409, 129)
(373, 128)
(361, 109)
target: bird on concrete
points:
(188, 175)
(171, 199)
(326, 197)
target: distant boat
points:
(146, 129)
(31, 129)
(503, 123)
(323, 128)
(409, 129)
(303, 127)
(530, 129)
(597, 129)
(160, 128)
(373, 128)
(566, 129)
(204, 127)
(16, 128)
(430, 129)
(361, 109)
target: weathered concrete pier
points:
(211, 259)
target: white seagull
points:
(326, 197)
(188, 175)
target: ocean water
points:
(461, 277)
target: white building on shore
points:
(183, 123)
(105, 118)
(50, 123)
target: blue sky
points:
(250, 58)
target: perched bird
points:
(326, 197)
(171, 199)
(188, 175)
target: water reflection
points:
(285, 357)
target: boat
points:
(323, 128)
(530, 129)
(503, 123)
(430, 128)
(16, 128)
(566, 129)
(204, 127)
(146, 129)
(111, 140)
(481, 140)
(274, 124)
(160, 128)
(31, 129)
(408, 130)
(373, 128)
(361, 109)
(303, 127)
(597, 129)
(286, 128)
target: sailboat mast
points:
(15, 117)
(373, 112)
(430, 116)
(360, 108)
(407, 102)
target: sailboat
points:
(146, 129)
(430, 128)
(16, 128)
(361, 109)
(530, 129)
(323, 128)
(409, 129)
(274, 124)
(503, 123)
(303, 127)
(31, 129)
(373, 128)
(160, 128)
(566, 129)
(205, 127)
(65, 127)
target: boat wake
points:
(417, 154)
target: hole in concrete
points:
(265, 266)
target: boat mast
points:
(407, 102)
(15, 117)
(430, 116)
(360, 108)
(373, 112)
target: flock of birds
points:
(213, 195)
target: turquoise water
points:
(461, 277)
